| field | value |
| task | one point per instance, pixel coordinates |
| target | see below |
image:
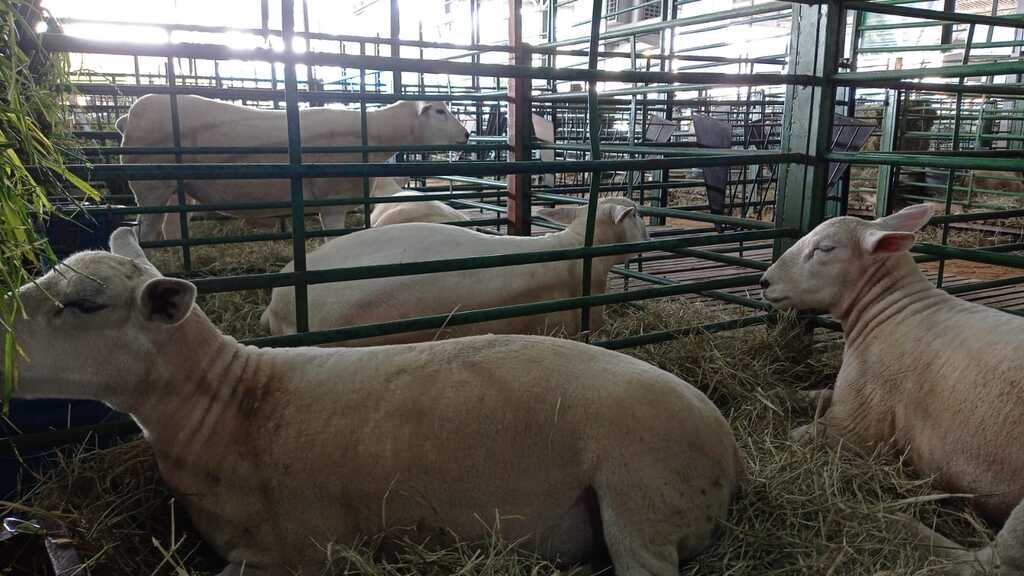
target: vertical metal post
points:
(955, 146)
(364, 134)
(815, 44)
(291, 95)
(851, 102)
(887, 143)
(520, 126)
(396, 46)
(594, 126)
(669, 11)
(179, 185)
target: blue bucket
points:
(87, 228)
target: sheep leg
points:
(334, 216)
(172, 220)
(151, 225)
(822, 399)
(236, 569)
(648, 528)
(809, 432)
(961, 562)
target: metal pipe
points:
(64, 43)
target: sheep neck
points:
(890, 288)
(197, 383)
(381, 132)
(574, 236)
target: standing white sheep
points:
(336, 305)
(205, 122)
(277, 453)
(923, 371)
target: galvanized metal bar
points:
(594, 128)
(970, 254)
(959, 17)
(266, 94)
(278, 279)
(498, 313)
(672, 213)
(948, 204)
(926, 160)
(179, 184)
(295, 160)
(960, 71)
(63, 43)
(666, 335)
(627, 31)
(328, 170)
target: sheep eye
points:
(85, 306)
(825, 249)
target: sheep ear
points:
(910, 219)
(123, 242)
(879, 242)
(561, 214)
(424, 107)
(621, 212)
(166, 300)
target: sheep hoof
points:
(822, 399)
(804, 434)
(235, 569)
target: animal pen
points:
(733, 124)
(812, 82)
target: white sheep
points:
(923, 371)
(399, 212)
(276, 453)
(336, 305)
(205, 122)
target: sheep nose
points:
(467, 134)
(764, 283)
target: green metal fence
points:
(673, 80)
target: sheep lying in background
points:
(922, 370)
(277, 453)
(382, 299)
(206, 122)
(399, 212)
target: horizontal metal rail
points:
(676, 23)
(926, 160)
(499, 313)
(275, 280)
(268, 94)
(63, 43)
(671, 212)
(923, 13)
(256, 150)
(211, 171)
(970, 254)
(957, 71)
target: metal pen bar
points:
(958, 17)
(278, 279)
(594, 128)
(499, 313)
(63, 43)
(948, 203)
(295, 160)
